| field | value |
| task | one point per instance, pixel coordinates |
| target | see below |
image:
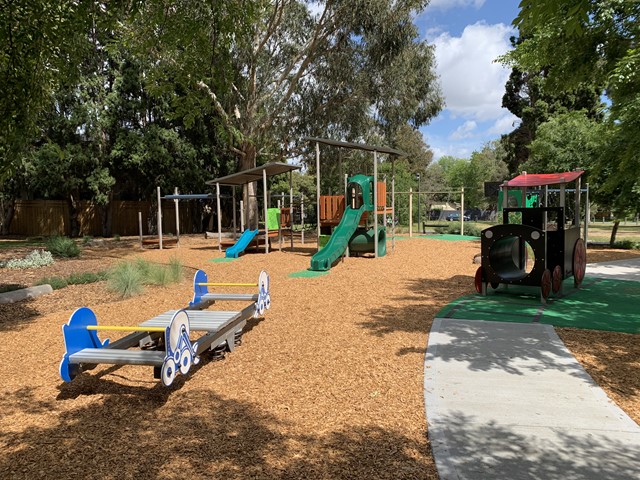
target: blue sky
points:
(468, 36)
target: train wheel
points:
(579, 262)
(168, 372)
(557, 279)
(478, 280)
(545, 283)
(185, 361)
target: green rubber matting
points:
(307, 274)
(598, 304)
(445, 236)
(222, 260)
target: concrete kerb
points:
(25, 293)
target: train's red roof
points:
(540, 179)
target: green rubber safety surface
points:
(222, 260)
(597, 305)
(450, 237)
(445, 236)
(308, 274)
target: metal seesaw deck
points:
(221, 328)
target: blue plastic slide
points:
(243, 242)
(338, 242)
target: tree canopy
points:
(119, 97)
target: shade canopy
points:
(254, 174)
(542, 179)
(357, 146)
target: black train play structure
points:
(558, 250)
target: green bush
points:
(128, 278)
(36, 259)
(175, 267)
(125, 279)
(10, 287)
(87, 239)
(73, 279)
(626, 245)
(56, 282)
(86, 277)
(471, 229)
(116, 237)
(62, 247)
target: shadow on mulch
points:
(195, 434)
(14, 315)
(613, 358)
(427, 296)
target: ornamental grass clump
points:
(128, 278)
(125, 279)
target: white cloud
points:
(466, 130)
(448, 4)
(504, 124)
(472, 83)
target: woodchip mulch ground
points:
(328, 385)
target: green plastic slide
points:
(339, 240)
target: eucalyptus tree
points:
(275, 70)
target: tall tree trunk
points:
(107, 217)
(73, 200)
(614, 232)
(249, 191)
(7, 209)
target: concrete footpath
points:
(618, 270)
(509, 401)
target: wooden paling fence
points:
(51, 217)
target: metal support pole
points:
(242, 215)
(302, 216)
(266, 223)
(140, 227)
(462, 211)
(318, 195)
(375, 203)
(393, 204)
(235, 226)
(291, 207)
(159, 220)
(175, 191)
(576, 216)
(587, 215)
(219, 210)
(410, 212)
(418, 204)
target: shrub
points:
(62, 247)
(116, 237)
(125, 279)
(470, 229)
(86, 277)
(626, 245)
(175, 269)
(10, 287)
(73, 279)
(87, 239)
(36, 259)
(56, 282)
(128, 278)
